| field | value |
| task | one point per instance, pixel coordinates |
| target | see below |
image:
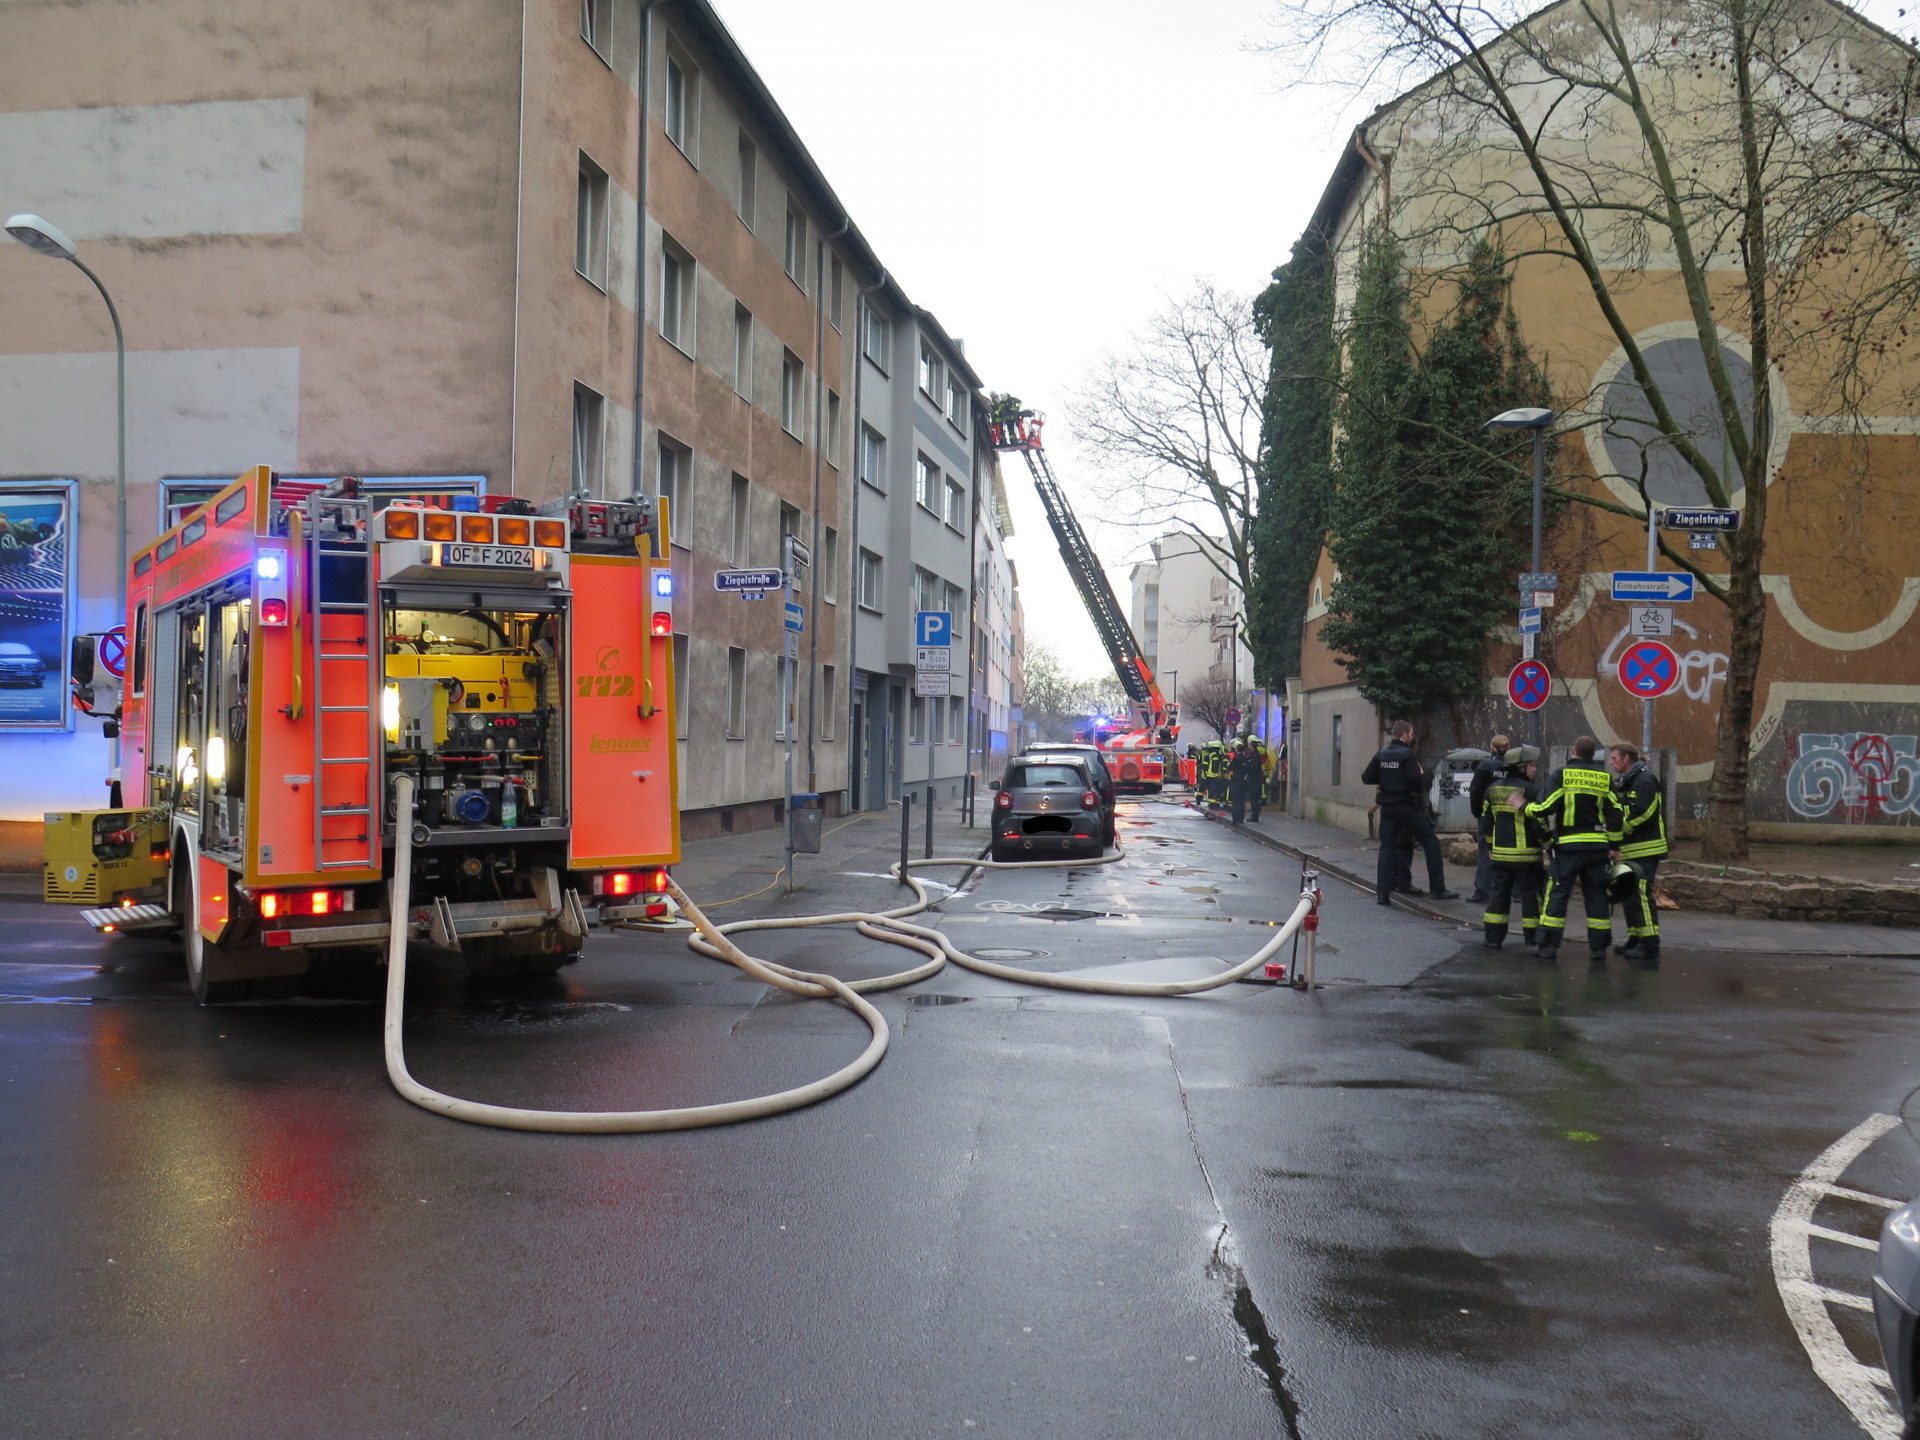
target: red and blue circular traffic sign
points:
(1649, 669)
(112, 652)
(1529, 685)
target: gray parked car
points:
(19, 665)
(1048, 807)
(1097, 763)
(1896, 1305)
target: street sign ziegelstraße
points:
(1530, 622)
(739, 580)
(1699, 519)
(796, 617)
(1661, 586)
(1540, 580)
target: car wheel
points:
(186, 890)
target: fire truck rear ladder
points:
(350, 600)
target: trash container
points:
(1452, 778)
(803, 819)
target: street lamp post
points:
(1536, 419)
(46, 239)
(38, 235)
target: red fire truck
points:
(297, 646)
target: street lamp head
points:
(1530, 417)
(38, 234)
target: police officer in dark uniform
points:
(1244, 778)
(1643, 843)
(1580, 806)
(1515, 842)
(1404, 820)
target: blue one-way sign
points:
(1662, 585)
(933, 627)
(796, 617)
(1530, 622)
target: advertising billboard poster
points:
(36, 594)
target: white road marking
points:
(1829, 1295)
(1857, 1386)
(1846, 1193)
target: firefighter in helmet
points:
(1516, 841)
(1643, 843)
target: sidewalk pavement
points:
(1352, 858)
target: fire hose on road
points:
(891, 926)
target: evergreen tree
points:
(1427, 512)
(1294, 316)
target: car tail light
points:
(620, 882)
(272, 906)
(402, 523)
(320, 902)
(550, 532)
(476, 529)
(657, 881)
(515, 530)
(1090, 801)
(438, 525)
(1003, 801)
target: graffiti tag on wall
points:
(1862, 775)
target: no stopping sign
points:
(1649, 669)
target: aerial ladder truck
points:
(1139, 759)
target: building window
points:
(792, 399)
(749, 173)
(836, 291)
(676, 486)
(956, 718)
(926, 483)
(956, 504)
(957, 605)
(829, 699)
(876, 338)
(590, 223)
(833, 430)
(736, 693)
(676, 296)
(796, 252)
(917, 721)
(589, 419)
(678, 98)
(743, 350)
(869, 581)
(1339, 738)
(873, 457)
(741, 533)
(828, 564)
(682, 686)
(931, 371)
(596, 24)
(957, 404)
(926, 589)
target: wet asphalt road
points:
(1445, 1195)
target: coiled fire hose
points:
(890, 926)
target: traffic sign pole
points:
(1646, 706)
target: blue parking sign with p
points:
(933, 627)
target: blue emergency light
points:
(268, 567)
(663, 583)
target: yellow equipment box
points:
(100, 857)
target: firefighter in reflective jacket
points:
(1516, 841)
(1579, 804)
(1643, 842)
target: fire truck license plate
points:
(512, 557)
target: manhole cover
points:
(1009, 952)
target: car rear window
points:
(1027, 777)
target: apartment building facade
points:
(407, 244)
(1189, 615)
(992, 721)
(919, 419)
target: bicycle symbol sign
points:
(1529, 685)
(1649, 669)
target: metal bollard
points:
(966, 799)
(929, 822)
(906, 830)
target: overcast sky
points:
(1040, 175)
